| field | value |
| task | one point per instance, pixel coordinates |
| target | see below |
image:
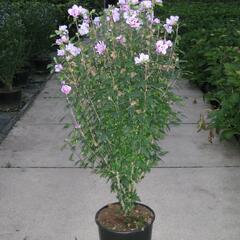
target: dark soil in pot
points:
(10, 100)
(114, 225)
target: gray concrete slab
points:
(189, 148)
(184, 88)
(52, 89)
(35, 146)
(40, 146)
(47, 111)
(50, 204)
(191, 108)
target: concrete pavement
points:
(195, 191)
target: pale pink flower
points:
(58, 68)
(124, 8)
(60, 52)
(162, 46)
(172, 20)
(134, 22)
(146, 4)
(122, 2)
(168, 28)
(59, 41)
(65, 89)
(74, 11)
(65, 39)
(73, 50)
(100, 47)
(84, 29)
(156, 21)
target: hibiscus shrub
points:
(118, 87)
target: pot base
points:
(112, 210)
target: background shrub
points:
(210, 40)
(12, 43)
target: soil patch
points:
(113, 218)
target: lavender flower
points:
(146, 4)
(75, 51)
(116, 14)
(58, 68)
(60, 52)
(84, 29)
(100, 47)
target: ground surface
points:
(195, 191)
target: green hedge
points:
(12, 44)
(210, 44)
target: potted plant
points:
(118, 87)
(12, 47)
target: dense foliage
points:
(12, 44)
(118, 86)
(210, 41)
(25, 28)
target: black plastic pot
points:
(21, 78)
(41, 65)
(10, 98)
(108, 234)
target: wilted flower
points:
(134, 2)
(121, 39)
(58, 68)
(100, 47)
(162, 46)
(73, 50)
(143, 58)
(65, 89)
(97, 22)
